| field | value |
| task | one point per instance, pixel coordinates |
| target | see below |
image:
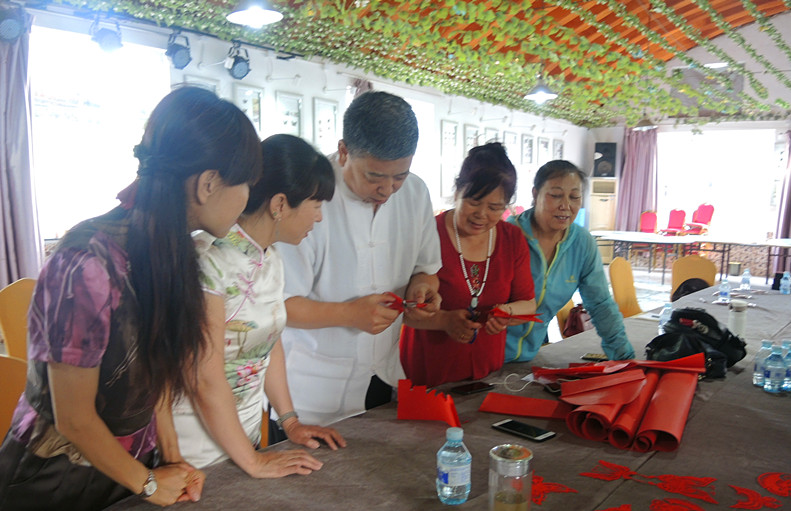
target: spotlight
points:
(12, 23)
(254, 14)
(179, 53)
(108, 39)
(238, 61)
(645, 124)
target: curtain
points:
(784, 214)
(20, 243)
(637, 187)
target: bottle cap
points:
(455, 434)
(738, 305)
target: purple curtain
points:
(784, 214)
(20, 243)
(637, 187)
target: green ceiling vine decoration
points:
(489, 50)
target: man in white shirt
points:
(378, 235)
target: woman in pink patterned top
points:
(117, 317)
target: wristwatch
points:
(150, 486)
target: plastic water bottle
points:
(725, 291)
(785, 284)
(787, 360)
(453, 469)
(745, 283)
(758, 364)
(664, 317)
(774, 370)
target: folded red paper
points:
(416, 403)
(616, 388)
(524, 406)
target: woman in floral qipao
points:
(243, 282)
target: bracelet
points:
(283, 418)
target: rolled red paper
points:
(625, 426)
(666, 415)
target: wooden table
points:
(734, 433)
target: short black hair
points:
(558, 168)
(486, 168)
(380, 125)
(294, 168)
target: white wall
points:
(318, 79)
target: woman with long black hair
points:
(117, 320)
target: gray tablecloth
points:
(734, 433)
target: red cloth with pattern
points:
(430, 357)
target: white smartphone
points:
(524, 430)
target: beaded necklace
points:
(473, 293)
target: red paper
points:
(524, 406)
(593, 421)
(666, 415)
(415, 403)
(618, 388)
(694, 363)
(623, 430)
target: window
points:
(734, 170)
(89, 110)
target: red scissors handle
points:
(400, 304)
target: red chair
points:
(648, 221)
(675, 224)
(701, 218)
(647, 225)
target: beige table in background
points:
(734, 433)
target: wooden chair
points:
(691, 267)
(622, 281)
(563, 315)
(13, 372)
(14, 304)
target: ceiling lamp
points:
(254, 14)
(238, 61)
(541, 93)
(12, 23)
(179, 53)
(108, 39)
(645, 124)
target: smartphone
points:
(472, 388)
(594, 357)
(524, 430)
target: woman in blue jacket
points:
(563, 258)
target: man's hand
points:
(371, 313)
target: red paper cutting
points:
(625, 427)
(695, 487)
(666, 415)
(623, 507)
(524, 406)
(778, 483)
(753, 499)
(416, 403)
(540, 489)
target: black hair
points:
(294, 168)
(486, 168)
(380, 125)
(558, 168)
(190, 131)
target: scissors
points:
(400, 304)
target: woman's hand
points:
(458, 325)
(307, 435)
(273, 464)
(174, 482)
(495, 325)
